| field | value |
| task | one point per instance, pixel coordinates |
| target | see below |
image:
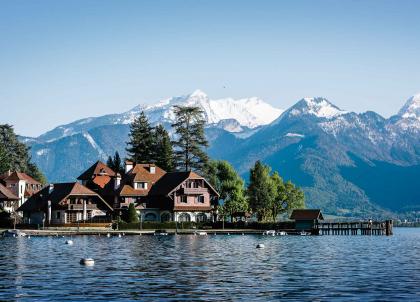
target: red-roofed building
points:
(65, 203)
(157, 195)
(8, 200)
(21, 185)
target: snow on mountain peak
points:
(249, 112)
(411, 108)
(318, 106)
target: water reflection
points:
(212, 268)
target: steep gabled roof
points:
(140, 173)
(56, 193)
(6, 194)
(306, 214)
(170, 181)
(16, 176)
(98, 168)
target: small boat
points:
(200, 233)
(160, 233)
(14, 233)
(270, 233)
(303, 233)
(282, 233)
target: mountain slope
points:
(347, 163)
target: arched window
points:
(150, 217)
(165, 217)
(201, 217)
(184, 217)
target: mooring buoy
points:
(87, 261)
(69, 242)
(108, 235)
(260, 246)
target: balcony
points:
(79, 207)
(194, 191)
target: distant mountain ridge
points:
(248, 113)
(348, 163)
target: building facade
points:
(65, 203)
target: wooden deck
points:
(355, 228)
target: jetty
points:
(355, 228)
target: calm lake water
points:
(184, 267)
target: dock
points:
(355, 228)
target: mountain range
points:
(349, 164)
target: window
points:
(200, 198)
(140, 185)
(150, 217)
(184, 217)
(201, 217)
(183, 199)
(58, 215)
(152, 170)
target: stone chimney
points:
(128, 165)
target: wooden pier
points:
(354, 228)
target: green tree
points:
(230, 187)
(261, 191)
(190, 139)
(15, 155)
(164, 156)
(4, 163)
(115, 163)
(132, 216)
(140, 145)
(295, 198)
(279, 204)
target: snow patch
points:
(95, 146)
(411, 108)
(42, 152)
(290, 134)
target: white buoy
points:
(69, 242)
(108, 235)
(119, 235)
(228, 234)
(87, 261)
(123, 234)
(243, 234)
(29, 237)
(260, 246)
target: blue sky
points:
(64, 60)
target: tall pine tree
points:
(190, 139)
(15, 156)
(164, 156)
(140, 146)
(115, 163)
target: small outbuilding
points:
(306, 219)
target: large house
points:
(9, 202)
(65, 203)
(156, 194)
(21, 185)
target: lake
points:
(221, 267)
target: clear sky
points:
(64, 60)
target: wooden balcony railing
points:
(193, 191)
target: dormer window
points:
(152, 170)
(140, 185)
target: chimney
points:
(117, 181)
(51, 188)
(152, 169)
(128, 165)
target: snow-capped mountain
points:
(347, 163)
(248, 113)
(411, 108)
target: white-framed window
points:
(141, 185)
(200, 198)
(183, 199)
